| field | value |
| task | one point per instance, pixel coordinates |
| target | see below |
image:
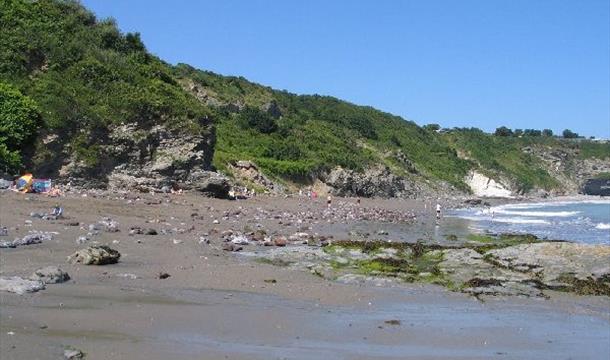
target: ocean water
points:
(586, 221)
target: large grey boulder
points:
(20, 286)
(50, 275)
(95, 255)
(211, 184)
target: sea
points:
(584, 221)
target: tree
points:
(257, 119)
(532, 132)
(518, 132)
(569, 134)
(19, 123)
(432, 127)
(503, 131)
(547, 132)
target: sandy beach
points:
(219, 304)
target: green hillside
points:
(74, 78)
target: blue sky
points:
(484, 63)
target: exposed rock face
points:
(599, 187)
(566, 166)
(376, 182)
(483, 186)
(134, 156)
(95, 255)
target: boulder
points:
(212, 184)
(50, 275)
(20, 286)
(95, 255)
(5, 184)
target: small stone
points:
(163, 275)
(280, 241)
(82, 239)
(231, 247)
(73, 354)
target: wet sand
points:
(217, 304)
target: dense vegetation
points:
(66, 74)
(85, 75)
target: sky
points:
(469, 63)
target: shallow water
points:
(441, 326)
(585, 221)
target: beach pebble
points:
(280, 241)
(73, 354)
(82, 239)
(231, 247)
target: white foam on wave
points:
(520, 221)
(603, 226)
(539, 213)
(525, 206)
(509, 220)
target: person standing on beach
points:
(438, 211)
(328, 200)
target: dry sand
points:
(217, 304)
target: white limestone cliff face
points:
(483, 186)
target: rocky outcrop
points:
(141, 157)
(565, 166)
(374, 182)
(558, 265)
(527, 269)
(598, 187)
(248, 171)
